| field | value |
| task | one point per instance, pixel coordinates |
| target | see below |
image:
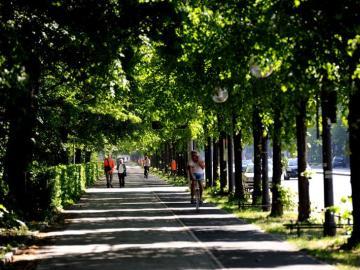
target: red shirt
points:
(173, 165)
(108, 162)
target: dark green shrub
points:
(50, 189)
(8, 219)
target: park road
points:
(151, 225)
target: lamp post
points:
(260, 142)
(220, 95)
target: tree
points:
(37, 39)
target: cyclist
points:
(196, 172)
(146, 163)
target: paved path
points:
(151, 225)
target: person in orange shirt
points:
(109, 166)
(173, 166)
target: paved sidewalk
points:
(151, 225)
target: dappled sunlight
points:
(134, 210)
(229, 228)
(137, 189)
(118, 199)
(61, 250)
(155, 201)
(155, 227)
(169, 217)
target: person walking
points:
(173, 167)
(109, 166)
(147, 164)
(121, 172)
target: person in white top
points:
(196, 172)
(121, 172)
(146, 163)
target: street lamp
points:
(220, 95)
(260, 73)
(256, 71)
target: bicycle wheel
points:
(197, 194)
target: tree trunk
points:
(173, 152)
(63, 154)
(265, 174)
(256, 197)
(303, 182)
(87, 156)
(78, 156)
(167, 156)
(163, 159)
(20, 147)
(178, 163)
(354, 141)
(329, 225)
(230, 164)
(185, 162)
(223, 169)
(215, 161)
(239, 187)
(277, 208)
(208, 163)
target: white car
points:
(249, 173)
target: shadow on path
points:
(151, 225)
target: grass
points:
(170, 179)
(327, 249)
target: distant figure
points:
(121, 172)
(147, 164)
(109, 166)
(196, 172)
(173, 167)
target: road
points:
(341, 182)
(151, 225)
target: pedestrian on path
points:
(173, 167)
(109, 166)
(196, 172)
(147, 164)
(121, 172)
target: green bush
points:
(55, 187)
(9, 220)
(287, 197)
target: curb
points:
(336, 173)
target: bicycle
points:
(197, 195)
(146, 172)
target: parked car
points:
(245, 163)
(292, 169)
(248, 175)
(339, 161)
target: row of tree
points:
(65, 76)
(286, 66)
(138, 75)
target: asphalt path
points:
(151, 225)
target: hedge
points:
(53, 188)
